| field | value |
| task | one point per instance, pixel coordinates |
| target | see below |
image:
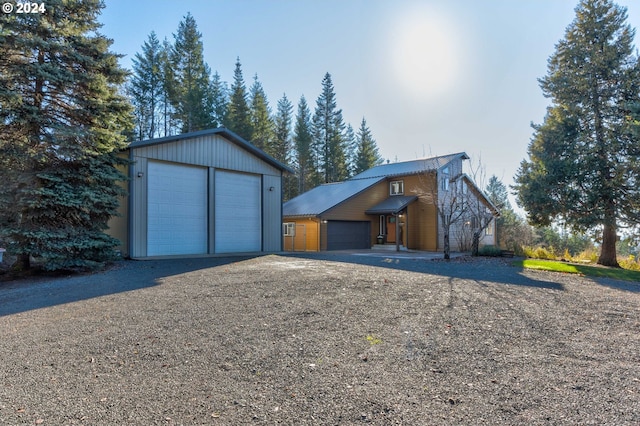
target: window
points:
(396, 187)
(289, 229)
(445, 179)
(489, 229)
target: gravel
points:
(320, 339)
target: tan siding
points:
(423, 234)
(118, 226)
(354, 208)
(306, 238)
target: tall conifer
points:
(305, 160)
(262, 126)
(582, 158)
(238, 117)
(192, 95)
(367, 155)
(63, 121)
(328, 133)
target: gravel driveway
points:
(320, 339)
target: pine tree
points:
(497, 193)
(308, 177)
(170, 125)
(367, 155)
(581, 157)
(262, 125)
(282, 130)
(328, 133)
(238, 117)
(220, 99)
(282, 144)
(146, 88)
(192, 98)
(349, 143)
(63, 123)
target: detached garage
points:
(200, 193)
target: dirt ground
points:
(325, 339)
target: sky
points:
(431, 77)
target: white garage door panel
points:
(238, 224)
(177, 209)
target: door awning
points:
(392, 205)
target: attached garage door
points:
(177, 209)
(348, 235)
(238, 223)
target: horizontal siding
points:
(211, 151)
(354, 208)
(306, 238)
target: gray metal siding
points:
(271, 213)
(211, 151)
(138, 209)
(214, 152)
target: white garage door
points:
(177, 209)
(238, 224)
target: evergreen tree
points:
(192, 94)
(497, 193)
(308, 177)
(282, 146)
(367, 155)
(328, 133)
(220, 99)
(238, 118)
(146, 88)
(350, 146)
(63, 123)
(282, 137)
(581, 157)
(262, 125)
(170, 125)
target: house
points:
(200, 193)
(386, 204)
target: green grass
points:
(590, 271)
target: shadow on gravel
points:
(472, 270)
(25, 295)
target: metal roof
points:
(392, 205)
(224, 132)
(410, 167)
(321, 198)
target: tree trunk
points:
(608, 250)
(23, 263)
(475, 243)
(447, 248)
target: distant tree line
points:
(173, 90)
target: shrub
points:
(539, 253)
(491, 251)
(630, 263)
(589, 255)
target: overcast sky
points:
(430, 77)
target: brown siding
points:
(306, 238)
(118, 226)
(423, 224)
